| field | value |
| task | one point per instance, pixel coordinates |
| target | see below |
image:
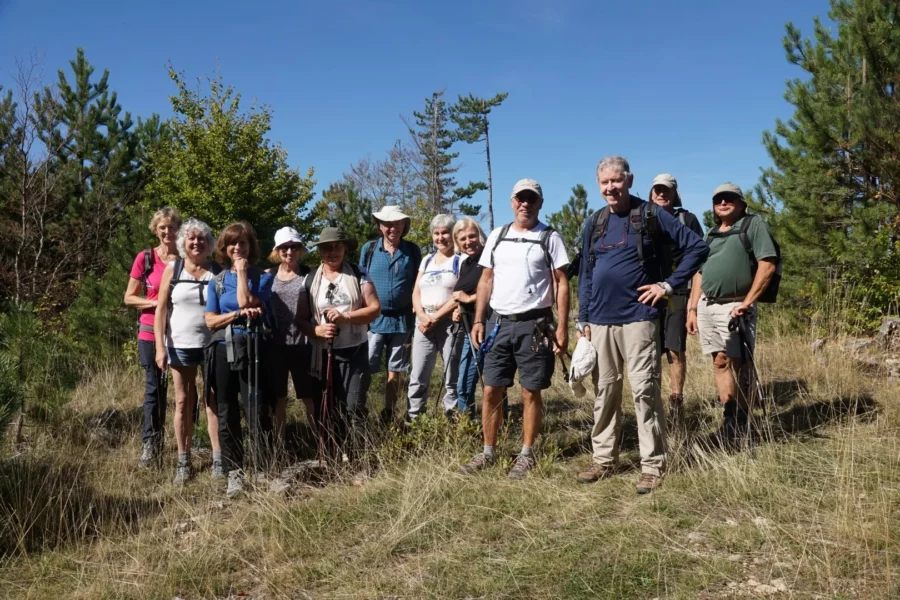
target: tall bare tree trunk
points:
(490, 181)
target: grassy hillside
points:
(811, 514)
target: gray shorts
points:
(712, 321)
(392, 344)
(512, 351)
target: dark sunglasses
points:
(725, 199)
(527, 197)
(291, 247)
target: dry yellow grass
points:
(812, 513)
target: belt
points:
(528, 315)
(724, 300)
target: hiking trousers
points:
(154, 395)
(635, 347)
(425, 350)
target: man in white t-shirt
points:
(524, 272)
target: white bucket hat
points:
(390, 213)
(287, 235)
(584, 359)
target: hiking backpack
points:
(178, 268)
(770, 294)
(543, 241)
(456, 258)
(644, 222)
(148, 269)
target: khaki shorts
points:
(712, 321)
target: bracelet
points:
(692, 310)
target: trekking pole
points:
(252, 394)
(448, 360)
(326, 425)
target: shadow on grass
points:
(44, 505)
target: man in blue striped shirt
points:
(393, 264)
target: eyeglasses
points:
(725, 199)
(291, 247)
(617, 244)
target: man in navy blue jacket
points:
(621, 283)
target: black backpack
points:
(543, 240)
(770, 294)
(644, 218)
(178, 268)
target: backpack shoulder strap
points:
(682, 216)
(219, 280)
(502, 236)
(596, 229)
(428, 261)
(357, 272)
(745, 239)
(456, 258)
(215, 268)
(545, 245)
(639, 218)
(369, 253)
(177, 270)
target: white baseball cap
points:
(287, 235)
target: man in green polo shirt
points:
(727, 287)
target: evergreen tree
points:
(471, 117)
(216, 164)
(833, 192)
(433, 140)
(569, 220)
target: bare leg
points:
(183, 378)
(492, 413)
(532, 415)
(727, 375)
(677, 371)
(391, 389)
(280, 417)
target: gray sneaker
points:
(217, 471)
(149, 454)
(478, 462)
(182, 474)
(235, 483)
(521, 467)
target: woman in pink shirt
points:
(142, 293)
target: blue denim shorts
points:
(185, 357)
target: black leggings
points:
(227, 384)
(342, 423)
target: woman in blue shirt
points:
(235, 307)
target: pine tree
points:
(834, 191)
(433, 140)
(342, 206)
(471, 117)
(569, 220)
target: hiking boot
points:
(735, 425)
(676, 410)
(478, 462)
(182, 474)
(235, 483)
(596, 472)
(150, 453)
(217, 471)
(451, 415)
(522, 466)
(648, 483)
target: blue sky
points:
(681, 87)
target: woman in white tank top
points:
(181, 333)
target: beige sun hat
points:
(729, 188)
(390, 213)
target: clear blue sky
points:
(681, 87)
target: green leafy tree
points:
(471, 117)
(833, 192)
(569, 220)
(217, 163)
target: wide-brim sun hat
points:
(335, 234)
(668, 180)
(390, 213)
(287, 235)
